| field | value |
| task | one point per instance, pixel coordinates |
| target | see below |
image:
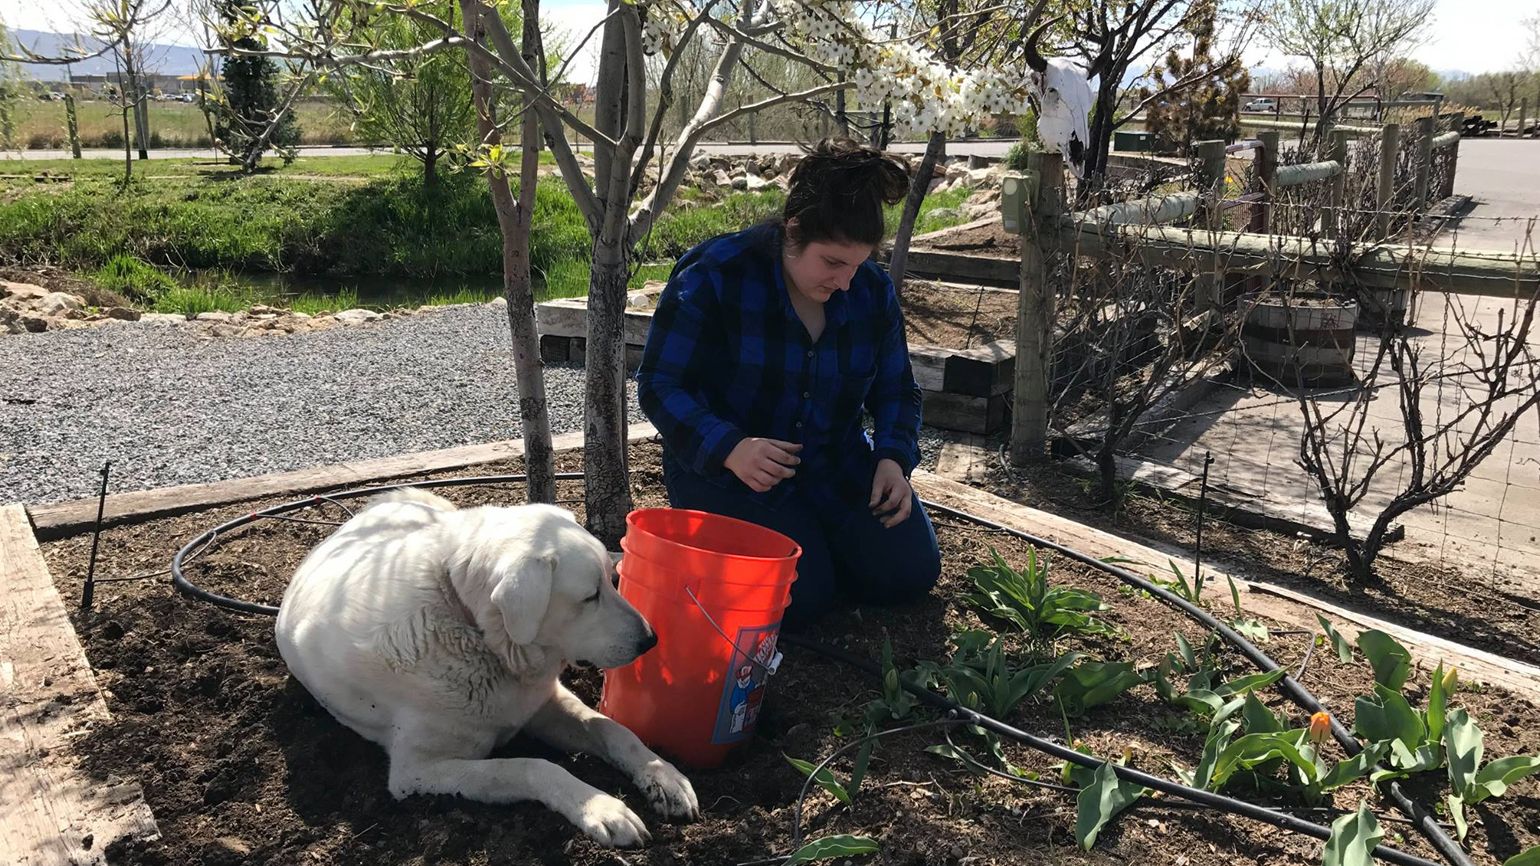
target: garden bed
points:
(241, 766)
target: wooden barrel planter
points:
(1380, 307)
(1305, 337)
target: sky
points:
(1470, 35)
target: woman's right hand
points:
(763, 463)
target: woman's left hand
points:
(892, 497)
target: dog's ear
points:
(521, 591)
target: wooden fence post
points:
(1425, 132)
(1454, 167)
(1331, 218)
(1267, 172)
(1384, 199)
(1035, 309)
(1211, 180)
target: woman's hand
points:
(763, 463)
(892, 497)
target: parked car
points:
(1261, 104)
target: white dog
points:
(439, 633)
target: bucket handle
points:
(775, 660)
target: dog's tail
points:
(414, 495)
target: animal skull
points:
(1064, 100)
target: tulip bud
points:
(1320, 726)
(1451, 680)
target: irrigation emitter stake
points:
(1197, 546)
(89, 591)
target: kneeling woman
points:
(765, 349)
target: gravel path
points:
(168, 407)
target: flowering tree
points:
(835, 39)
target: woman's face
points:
(818, 269)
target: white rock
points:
(754, 182)
(165, 318)
(498, 301)
(356, 316)
(214, 316)
(977, 176)
(720, 177)
(58, 303)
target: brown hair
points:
(838, 191)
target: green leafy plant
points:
(1338, 642)
(1026, 600)
(1269, 747)
(1353, 839)
(1527, 857)
(833, 847)
(823, 778)
(980, 676)
(1101, 798)
(1091, 684)
(1471, 782)
(1391, 661)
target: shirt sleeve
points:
(685, 338)
(894, 398)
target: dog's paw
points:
(668, 790)
(611, 823)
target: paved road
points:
(1503, 177)
(961, 148)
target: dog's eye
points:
(592, 598)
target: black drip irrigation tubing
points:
(1421, 818)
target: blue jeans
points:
(846, 552)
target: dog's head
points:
(540, 586)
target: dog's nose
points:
(648, 641)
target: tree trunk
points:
(513, 218)
(128, 148)
(430, 169)
(142, 121)
(898, 262)
(606, 488)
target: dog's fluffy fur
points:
(439, 633)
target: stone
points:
(122, 314)
(720, 177)
(214, 316)
(498, 301)
(302, 317)
(356, 316)
(164, 318)
(58, 304)
(740, 182)
(34, 324)
(978, 176)
(753, 183)
(264, 310)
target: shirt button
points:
(806, 395)
(798, 425)
(810, 353)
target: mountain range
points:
(159, 58)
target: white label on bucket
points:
(746, 678)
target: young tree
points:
(1343, 41)
(627, 132)
(1120, 41)
(252, 116)
(10, 94)
(422, 103)
(1207, 110)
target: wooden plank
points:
(1309, 172)
(982, 371)
(929, 365)
(568, 317)
(51, 812)
(62, 519)
(1144, 211)
(961, 267)
(982, 415)
(1290, 607)
(965, 457)
(1489, 273)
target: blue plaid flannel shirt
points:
(728, 358)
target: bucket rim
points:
(796, 549)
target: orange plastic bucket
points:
(714, 589)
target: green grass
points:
(207, 168)
(192, 300)
(316, 305)
(43, 125)
(139, 281)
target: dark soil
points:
(1433, 598)
(240, 765)
(990, 239)
(957, 317)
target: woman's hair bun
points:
(839, 188)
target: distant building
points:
(154, 82)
